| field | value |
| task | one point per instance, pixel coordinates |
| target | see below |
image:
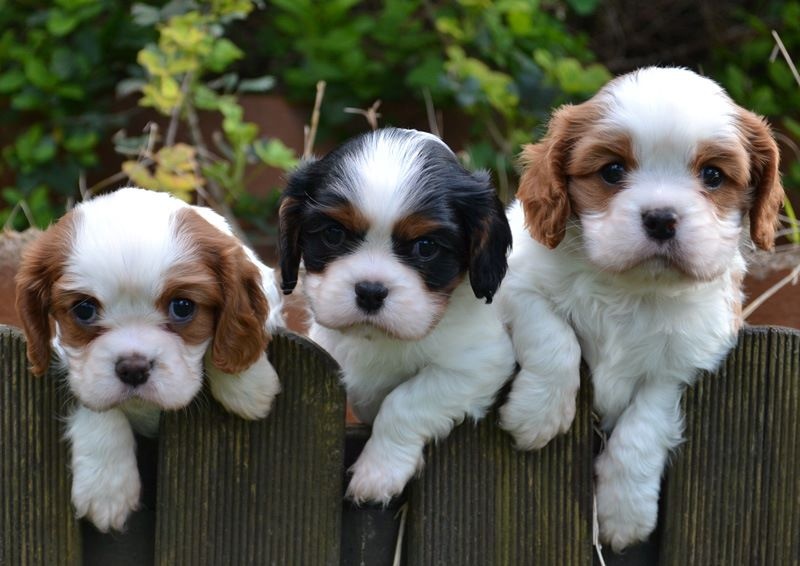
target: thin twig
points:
(497, 136)
(398, 547)
(310, 132)
(763, 297)
(371, 114)
(502, 177)
(598, 547)
(786, 56)
(175, 117)
(430, 111)
(215, 192)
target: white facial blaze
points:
(667, 114)
(384, 180)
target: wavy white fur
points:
(646, 313)
(121, 250)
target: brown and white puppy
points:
(631, 218)
(142, 296)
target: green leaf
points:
(259, 84)
(205, 98)
(274, 153)
(584, 7)
(223, 53)
(60, 23)
(144, 15)
(38, 73)
(11, 81)
(80, 142)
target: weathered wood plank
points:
(267, 492)
(479, 502)
(37, 523)
(733, 489)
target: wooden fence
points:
(219, 490)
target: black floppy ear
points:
(293, 201)
(485, 222)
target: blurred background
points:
(215, 100)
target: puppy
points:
(631, 217)
(400, 243)
(136, 292)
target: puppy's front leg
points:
(105, 478)
(421, 409)
(629, 469)
(541, 403)
(248, 394)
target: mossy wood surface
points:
(479, 502)
(37, 524)
(269, 492)
(733, 488)
(266, 492)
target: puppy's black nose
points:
(133, 370)
(660, 223)
(370, 295)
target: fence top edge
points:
(13, 330)
(311, 347)
(761, 330)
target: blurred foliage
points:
(187, 70)
(504, 63)
(758, 77)
(500, 65)
(764, 84)
(59, 62)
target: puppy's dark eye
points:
(333, 236)
(181, 310)
(712, 177)
(612, 173)
(425, 249)
(85, 311)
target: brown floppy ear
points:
(543, 184)
(240, 334)
(765, 178)
(42, 265)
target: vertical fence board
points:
(480, 502)
(733, 489)
(37, 524)
(266, 492)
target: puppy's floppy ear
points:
(543, 184)
(486, 225)
(764, 178)
(290, 215)
(240, 334)
(42, 265)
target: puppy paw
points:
(377, 479)
(249, 394)
(626, 510)
(534, 418)
(107, 501)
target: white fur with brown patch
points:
(130, 254)
(646, 310)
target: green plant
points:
(503, 63)
(55, 106)
(186, 71)
(758, 77)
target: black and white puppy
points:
(399, 245)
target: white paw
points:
(626, 510)
(534, 417)
(377, 479)
(107, 501)
(249, 394)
